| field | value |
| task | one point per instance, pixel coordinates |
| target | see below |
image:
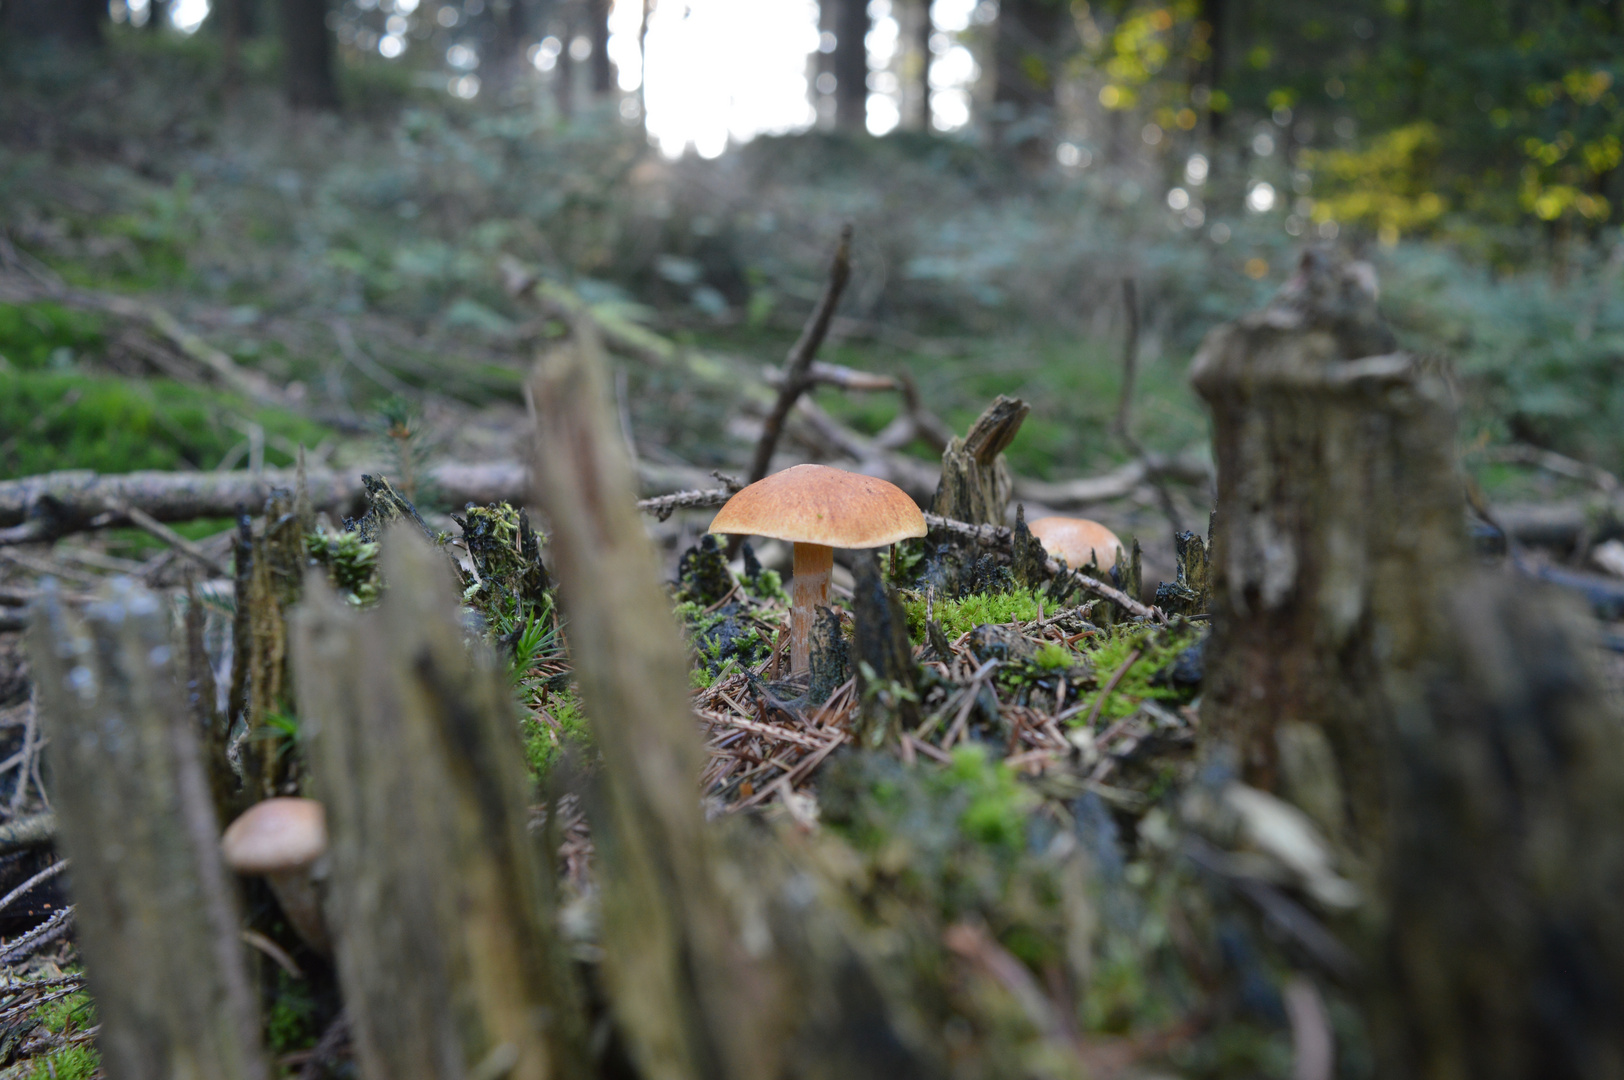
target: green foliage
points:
(60, 421)
(957, 616)
(69, 1063)
(1387, 185)
(1054, 656)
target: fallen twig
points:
(794, 380)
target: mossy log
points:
(157, 914)
(1443, 726)
(976, 482)
(439, 900)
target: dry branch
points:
(794, 380)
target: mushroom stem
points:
(296, 892)
(808, 590)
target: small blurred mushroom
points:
(819, 509)
(1077, 540)
(281, 840)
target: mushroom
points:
(819, 509)
(281, 839)
(1077, 540)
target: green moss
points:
(38, 336)
(1054, 656)
(562, 728)
(1158, 647)
(66, 1016)
(290, 1020)
(69, 1063)
(957, 616)
(995, 814)
(70, 421)
(351, 563)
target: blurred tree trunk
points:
(157, 15)
(924, 28)
(71, 22)
(505, 58)
(603, 74)
(564, 73)
(307, 55)
(1026, 69)
(1212, 74)
(851, 64)
(1444, 727)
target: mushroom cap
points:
(1077, 540)
(814, 504)
(276, 835)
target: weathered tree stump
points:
(1339, 527)
(440, 906)
(1442, 726)
(156, 908)
(976, 483)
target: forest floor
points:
(361, 267)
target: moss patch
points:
(957, 616)
(552, 726)
(70, 421)
(1159, 647)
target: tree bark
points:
(1443, 727)
(307, 55)
(156, 909)
(441, 908)
(851, 64)
(691, 1001)
(1340, 524)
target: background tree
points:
(70, 22)
(1031, 42)
(851, 25)
(307, 51)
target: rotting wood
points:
(692, 1002)
(830, 662)
(887, 677)
(976, 483)
(441, 907)
(1190, 591)
(275, 582)
(1340, 522)
(156, 908)
(1443, 726)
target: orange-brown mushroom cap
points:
(1077, 540)
(814, 504)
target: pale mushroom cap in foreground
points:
(275, 836)
(814, 504)
(1077, 540)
